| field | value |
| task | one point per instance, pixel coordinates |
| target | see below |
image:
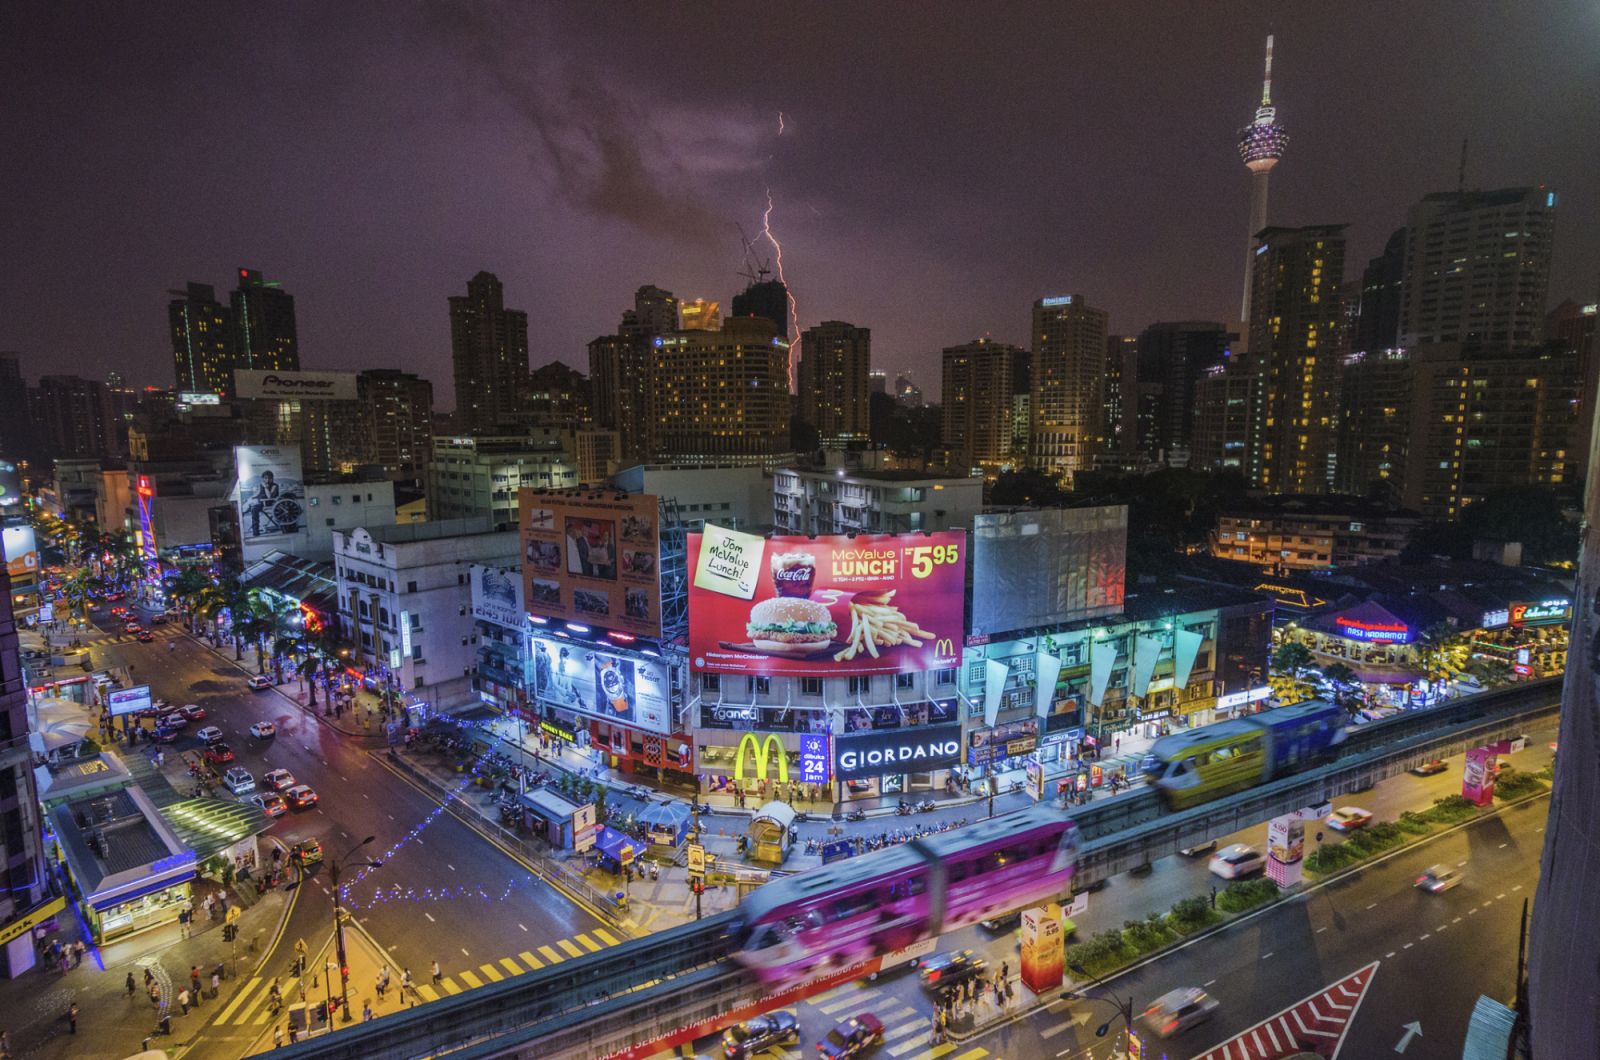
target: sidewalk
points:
(110, 1022)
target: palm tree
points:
(1290, 658)
(307, 668)
(1342, 678)
(186, 588)
(1437, 642)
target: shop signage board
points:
(593, 557)
(575, 676)
(814, 758)
(1002, 741)
(697, 859)
(917, 749)
(1541, 613)
(831, 606)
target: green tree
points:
(1290, 658)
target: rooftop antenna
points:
(1461, 174)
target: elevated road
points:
(649, 987)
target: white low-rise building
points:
(405, 600)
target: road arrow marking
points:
(1413, 1030)
(1320, 1021)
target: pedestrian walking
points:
(210, 904)
(183, 925)
(216, 983)
(405, 982)
(72, 1018)
(366, 1012)
(1213, 896)
(183, 1001)
(78, 950)
(277, 1037)
(1005, 970)
(436, 976)
(148, 978)
(194, 979)
(129, 985)
(378, 985)
(294, 1035)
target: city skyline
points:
(594, 182)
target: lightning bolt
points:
(794, 309)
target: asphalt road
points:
(1266, 963)
(360, 797)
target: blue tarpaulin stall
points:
(615, 849)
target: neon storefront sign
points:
(1375, 632)
(1544, 611)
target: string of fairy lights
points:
(396, 893)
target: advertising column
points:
(1043, 948)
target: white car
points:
(1348, 819)
(271, 802)
(239, 780)
(263, 730)
(1177, 1010)
(278, 780)
(1438, 879)
(210, 734)
(1237, 860)
(260, 682)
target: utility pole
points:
(338, 926)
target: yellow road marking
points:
(530, 960)
(227, 1010)
(492, 972)
(510, 965)
(572, 951)
(472, 981)
(605, 936)
(450, 985)
(551, 955)
(587, 944)
(428, 993)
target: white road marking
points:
(1386, 956)
(1372, 905)
(1457, 920)
(449, 866)
(391, 817)
(429, 916)
(1502, 894)
(1264, 956)
(1426, 936)
(1503, 846)
(523, 926)
(1518, 887)
(1320, 930)
(1408, 945)
(1209, 982)
(464, 952)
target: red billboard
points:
(827, 606)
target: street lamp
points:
(338, 923)
(1124, 1008)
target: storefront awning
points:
(209, 826)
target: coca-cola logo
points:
(793, 574)
(292, 384)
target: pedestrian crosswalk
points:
(251, 1007)
(907, 1031)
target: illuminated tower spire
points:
(1261, 144)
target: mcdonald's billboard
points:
(827, 606)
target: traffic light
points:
(344, 971)
(698, 887)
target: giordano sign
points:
(762, 750)
(918, 749)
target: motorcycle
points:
(925, 805)
(903, 809)
(856, 815)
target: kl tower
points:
(1261, 144)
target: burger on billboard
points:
(884, 603)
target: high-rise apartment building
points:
(655, 311)
(619, 376)
(1173, 356)
(264, 334)
(1441, 426)
(1377, 324)
(979, 384)
(396, 416)
(834, 361)
(489, 351)
(16, 422)
(1477, 268)
(1222, 418)
(202, 340)
(720, 397)
(1122, 393)
(558, 396)
(1067, 385)
(73, 417)
(765, 298)
(1295, 323)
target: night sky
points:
(940, 167)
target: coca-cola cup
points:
(793, 573)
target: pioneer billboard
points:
(833, 606)
(279, 386)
